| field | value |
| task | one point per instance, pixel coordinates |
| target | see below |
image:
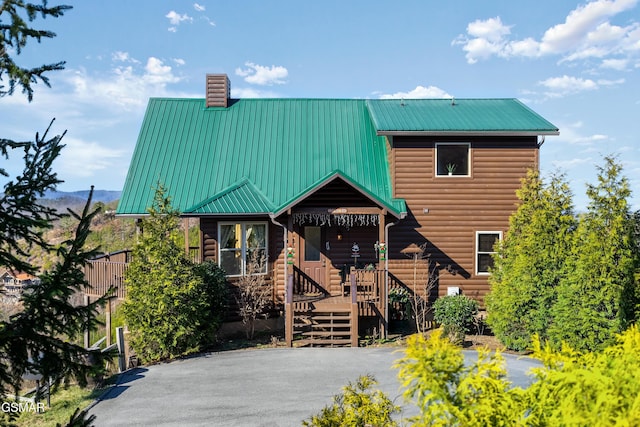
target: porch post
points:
(288, 291)
(354, 310)
(185, 224)
(288, 311)
(384, 291)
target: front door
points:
(312, 260)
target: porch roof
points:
(257, 156)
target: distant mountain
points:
(104, 196)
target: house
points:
(13, 283)
(326, 187)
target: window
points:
(239, 244)
(485, 243)
(312, 242)
(452, 159)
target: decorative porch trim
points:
(336, 219)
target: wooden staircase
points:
(323, 324)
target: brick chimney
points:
(218, 90)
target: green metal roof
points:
(256, 156)
(241, 198)
(457, 116)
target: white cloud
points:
(420, 92)
(126, 87)
(585, 33)
(615, 64)
(83, 159)
(179, 61)
(571, 163)
(101, 110)
(201, 8)
(581, 24)
(120, 56)
(604, 82)
(565, 85)
(209, 21)
(491, 29)
(252, 93)
(571, 134)
(175, 19)
(262, 75)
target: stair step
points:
(330, 317)
(338, 328)
(329, 307)
(322, 342)
(326, 333)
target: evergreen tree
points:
(529, 262)
(597, 296)
(15, 33)
(37, 339)
(168, 305)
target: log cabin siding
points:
(446, 212)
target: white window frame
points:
(478, 252)
(243, 248)
(440, 175)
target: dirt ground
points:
(489, 341)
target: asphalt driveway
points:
(267, 387)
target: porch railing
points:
(305, 285)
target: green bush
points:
(598, 296)
(357, 406)
(530, 262)
(563, 278)
(569, 389)
(455, 313)
(169, 300)
(215, 291)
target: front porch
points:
(317, 318)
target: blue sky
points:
(575, 63)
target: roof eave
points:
(326, 181)
(465, 133)
(225, 214)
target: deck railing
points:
(102, 275)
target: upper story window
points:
(452, 159)
(240, 244)
(485, 248)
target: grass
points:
(63, 404)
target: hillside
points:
(108, 233)
(61, 200)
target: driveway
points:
(267, 387)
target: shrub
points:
(357, 405)
(215, 291)
(598, 296)
(570, 388)
(169, 300)
(254, 294)
(455, 313)
(449, 393)
(530, 262)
